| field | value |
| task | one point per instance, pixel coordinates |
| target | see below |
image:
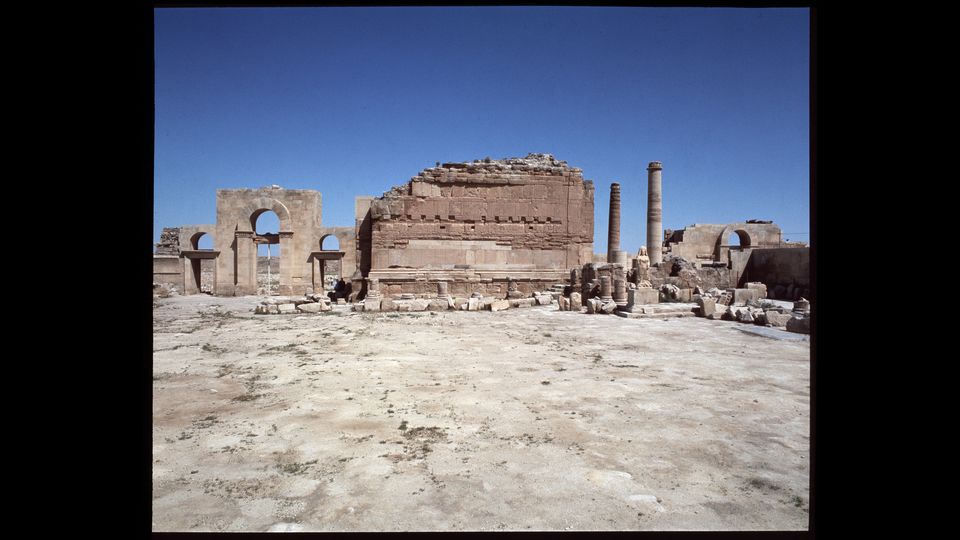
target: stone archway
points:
(247, 241)
(722, 249)
(297, 210)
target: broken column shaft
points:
(605, 289)
(613, 229)
(654, 213)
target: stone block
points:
(564, 303)
(759, 287)
(740, 297)
(523, 302)
(387, 304)
(799, 325)
(685, 295)
(544, 299)
(438, 305)
(473, 304)
(341, 301)
(608, 307)
(775, 318)
(575, 303)
(273, 309)
(313, 307)
(642, 296)
(499, 305)
(669, 292)
(708, 306)
(371, 304)
(287, 308)
(419, 304)
(358, 306)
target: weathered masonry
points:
(481, 225)
(711, 243)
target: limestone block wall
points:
(300, 216)
(167, 270)
(532, 214)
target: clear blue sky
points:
(352, 101)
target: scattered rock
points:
(707, 306)
(777, 319)
(313, 307)
(800, 325)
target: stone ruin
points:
(480, 226)
(490, 235)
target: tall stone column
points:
(654, 213)
(613, 229)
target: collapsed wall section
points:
(477, 224)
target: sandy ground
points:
(527, 419)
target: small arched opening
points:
(738, 239)
(266, 227)
(201, 240)
(329, 263)
(203, 268)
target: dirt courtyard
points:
(526, 419)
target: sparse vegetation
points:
(212, 349)
(295, 468)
